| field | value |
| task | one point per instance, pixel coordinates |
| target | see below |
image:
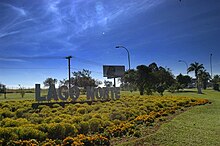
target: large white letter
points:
(52, 93)
(63, 90)
(74, 93)
(99, 93)
(105, 93)
(37, 93)
(117, 92)
(90, 93)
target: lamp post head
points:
(68, 57)
(119, 47)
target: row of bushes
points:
(79, 140)
(19, 121)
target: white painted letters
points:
(74, 92)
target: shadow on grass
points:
(189, 91)
(186, 91)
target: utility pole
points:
(69, 73)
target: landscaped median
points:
(83, 124)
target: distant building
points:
(192, 84)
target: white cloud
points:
(8, 33)
(11, 60)
(20, 11)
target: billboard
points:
(113, 71)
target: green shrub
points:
(60, 130)
(19, 113)
(55, 106)
(27, 133)
(117, 115)
(76, 119)
(97, 116)
(57, 119)
(36, 119)
(107, 123)
(95, 124)
(70, 129)
(56, 131)
(7, 134)
(7, 114)
(81, 110)
(87, 117)
(8, 122)
(83, 127)
(6, 106)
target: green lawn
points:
(17, 96)
(197, 126)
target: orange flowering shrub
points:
(120, 130)
(31, 142)
(81, 140)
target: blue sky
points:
(161, 31)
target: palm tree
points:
(204, 77)
(196, 67)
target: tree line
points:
(147, 79)
(151, 78)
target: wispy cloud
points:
(58, 24)
(11, 60)
(8, 34)
(20, 11)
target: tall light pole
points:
(129, 61)
(185, 64)
(211, 64)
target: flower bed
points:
(83, 124)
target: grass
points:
(14, 95)
(17, 96)
(198, 126)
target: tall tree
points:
(83, 79)
(183, 80)
(129, 80)
(204, 77)
(196, 67)
(216, 82)
(143, 81)
(164, 79)
(49, 81)
(108, 83)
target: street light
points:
(129, 62)
(185, 64)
